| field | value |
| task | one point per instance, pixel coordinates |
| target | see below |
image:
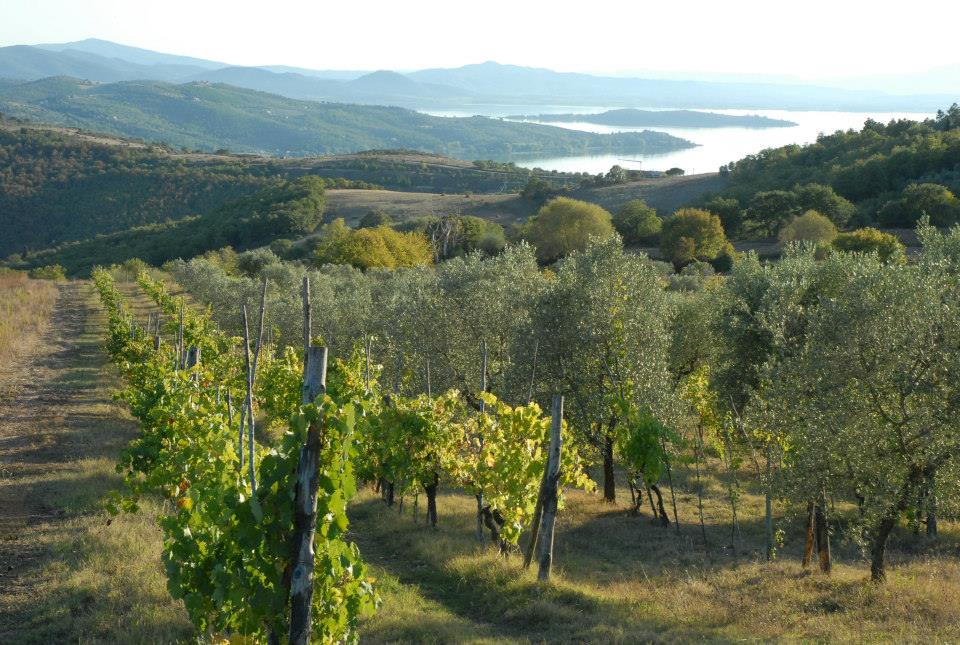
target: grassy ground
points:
(25, 308)
(666, 194)
(70, 573)
(622, 579)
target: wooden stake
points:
(550, 491)
(307, 320)
(366, 370)
(249, 400)
(483, 409)
(305, 504)
(533, 370)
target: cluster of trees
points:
(822, 370)
(892, 174)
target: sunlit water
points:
(717, 146)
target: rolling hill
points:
(478, 84)
(629, 117)
(211, 116)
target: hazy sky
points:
(812, 39)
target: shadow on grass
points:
(448, 567)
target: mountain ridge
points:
(474, 84)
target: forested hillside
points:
(60, 186)
(892, 173)
(211, 116)
(281, 209)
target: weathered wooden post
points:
(180, 339)
(533, 370)
(193, 356)
(249, 400)
(366, 369)
(305, 503)
(550, 491)
(307, 321)
(483, 409)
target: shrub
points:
(371, 247)
(811, 226)
(565, 225)
(638, 223)
(49, 272)
(871, 240)
(692, 234)
(375, 218)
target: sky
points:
(814, 39)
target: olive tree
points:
(603, 329)
(873, 393)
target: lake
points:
(717, 146)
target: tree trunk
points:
(931, 502)
(808, 544)
(388, 494)
(431, 491)
(609, 481)
(493, 520)
(823, 534)
(878, 549)
(653, 507)
(661, 511)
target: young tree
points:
(603, 328)
(692, 234)
(637, 223)
(810, 227)
(565, 225)
(875, 388)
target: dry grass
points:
(622, 579)
(69, 573)
(25, 307)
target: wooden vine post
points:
(305, 504)
(248, 405)
(305, 496)
(549, 492)
(483, 409)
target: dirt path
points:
(60, 434)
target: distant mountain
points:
(535, 86)
(629, 117)
(210, 116)
(487, 83)
(108, 49)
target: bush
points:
(692, 234)
(871, 240)
(933, 200)
(371, 247)
(638, 223)
(565, 225)
(49, 272)
(811, 226)
(375, 218)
